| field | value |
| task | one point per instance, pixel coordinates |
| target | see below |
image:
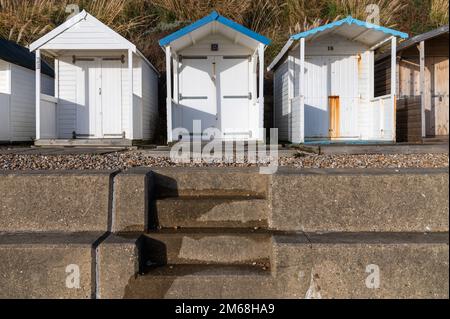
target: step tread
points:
(202, 232)
(218, 194)
(234, 212)
(207, 270)
(202, 282)
(234, 248)
(214, 198)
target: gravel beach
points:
(130, 159)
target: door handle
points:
(182, 97)
(249, 96)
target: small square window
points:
(214, 47)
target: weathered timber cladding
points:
(409, 123)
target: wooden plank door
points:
(111, 97)
(440, 99)
(234, 94)
(197, 99)
(88, 98)
(335, 116)
(316, 90)
(344, 83)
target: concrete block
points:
(360, 200)
(133, 190)
(75, 201)
(362, 266)
(47, 266)
(118, 259)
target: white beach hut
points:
(17, 92)
(215, 75)
(324, 84)
(106, 91)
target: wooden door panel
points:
(335, 116)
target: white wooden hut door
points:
(99, 98)
(344, 84)
(234, 92)
(88, 98)
(197, 98)
(111, 96)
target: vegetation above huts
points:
(144, 22)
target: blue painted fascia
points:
(350, 20)
(214, 16)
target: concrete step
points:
(55, 201)
(120, 143)
(436, 140)
(304, 265)
(47, 265)
(202, 282)
(362, 265)
(360, 200)
(211, 182)
(192, 212)
(207, 247)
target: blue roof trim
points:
(350, 20)
(214, 16)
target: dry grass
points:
(24, 21)
(439, 12)
(146, 21)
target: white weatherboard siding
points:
(4, 77)
(67, 101)
(217, 87)
(4, 101)
(366, 71)
(282, 102)
(23, 114)
(98, 95)
(111, 112)
(215, 78)
(346, 71)
(86, 35)
(79, 87)
(4, 117)
(332, 73)
(17, 102)
(226, 47)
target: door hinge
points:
(100, 91)
(250, 96)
